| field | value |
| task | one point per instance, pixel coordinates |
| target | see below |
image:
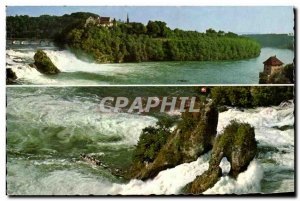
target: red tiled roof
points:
(273, 61)
(104, 20)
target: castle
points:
(272, 65)
(99, 21)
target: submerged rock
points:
(44, 64)
(283, 128)
(193, 137)
(205, 181)
(118, 172)
(10, 76)
(238, 145)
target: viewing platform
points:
(26, 41)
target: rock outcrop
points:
(44, 64)
(10, 76)
(284, 75)
(193, 137)
(238, 145)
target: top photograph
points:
(148, 45)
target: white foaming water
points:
(169, 181)
(27, 179)
(19, 63)
(68, 62)
(65, 61)
(55, 111)
(263, 119)
(246, 182)
(51, 111)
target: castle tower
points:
(272, 65)
(127, 20)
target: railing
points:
(26, 41)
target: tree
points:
(152, 139)
(288, 72)
(133, 42)
(153, 29)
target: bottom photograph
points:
(196, 140)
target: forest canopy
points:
(132, 41)
(274, 40)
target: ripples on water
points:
(47, 129)
(78, 72)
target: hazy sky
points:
(235, 19)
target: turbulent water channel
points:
(80, 72)
(48, 128)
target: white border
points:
(3, 3)
(153, 2)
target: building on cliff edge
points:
(272, 65)
(99, 21)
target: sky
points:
(241, 20)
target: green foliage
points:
(229, 132)
(152, 140)
(263, 78)
(44, 64)
(232, 96)
(133, 42)
(157, 29)
(274, 40)
(288, 72)
(187, 123)
(266, 95)
(251, 96)
(278, 78)
(165, 123)
(235, 134)
(157, 45)
(44, 26)
(285, 76)
(245, 131)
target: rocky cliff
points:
(10, 76)
(193, 137)
(44, 64)
(238, 145)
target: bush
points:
(288, 71)
(265, 95)
(152, 140)
(263, 78)
(251, 96)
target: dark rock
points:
(193, 137)
(94, 161)
(43, 63)
(32, 65)
(10, 76)
(223, 108)
(238, 145)
(205, 181)
(90, 159)
(284, 128)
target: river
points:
(79, 72)
(49, 127)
